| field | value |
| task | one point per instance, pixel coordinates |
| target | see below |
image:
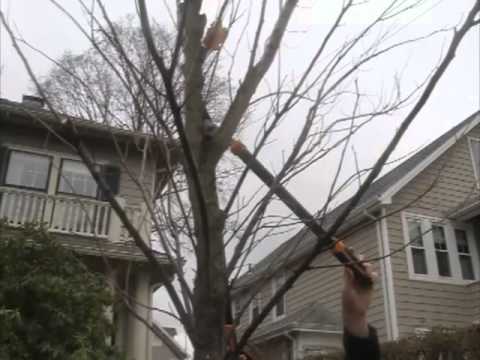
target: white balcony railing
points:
(66, 215)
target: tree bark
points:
(210, 292)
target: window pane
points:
(237, 308)
(255, 308)
(467, 268)
(415, 233)
(75, 179)
(280, 307)
(28, 170)
(462, 242)
(443, 263)
(439, 237)
(419, 262)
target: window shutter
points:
(3, 162)
(111, 174)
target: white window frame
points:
(275, 280)
(476, 171)
(236, 307)
(70, 191)
(255, 300)
(12, 150)
(430, 255)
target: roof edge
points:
(386, 197)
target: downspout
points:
(390, 290)
(383, 269)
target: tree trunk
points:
(210, 290)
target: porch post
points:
(139, 333)
(115, 229)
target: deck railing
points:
(64, 214)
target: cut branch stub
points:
(215, 36)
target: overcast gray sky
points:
(456, 97)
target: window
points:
(440, 251)
(417, 248)
(75, 178)
(255, 307)
(464, 254)
(28, 170)
(236, 308)
(280, 307)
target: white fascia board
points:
(395, 188)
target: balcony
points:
(66, 214)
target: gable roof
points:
(380, 190)
(24, 114)
(312, 317)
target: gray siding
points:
(325, 285)
(423, 304)
(475, 296)
(278, 349)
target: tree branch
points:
(327, 240)
(251, 81)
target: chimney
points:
(33, 101)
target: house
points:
(420, 225)
(42, 180)
(164, 346)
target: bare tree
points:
(202, 210)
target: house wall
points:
(102, 151)
(264, 293)
(436, 191)
(311, 344)
(475, 296)
(325, 285)
(276, 349)
(161, 351)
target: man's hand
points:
(356, 301)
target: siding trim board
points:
(390, 285)
(471, 139)
(387, 279)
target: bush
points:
(449, 343)
(51, 307)
(440, 343)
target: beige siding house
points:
(42, 180)
(424, 215)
